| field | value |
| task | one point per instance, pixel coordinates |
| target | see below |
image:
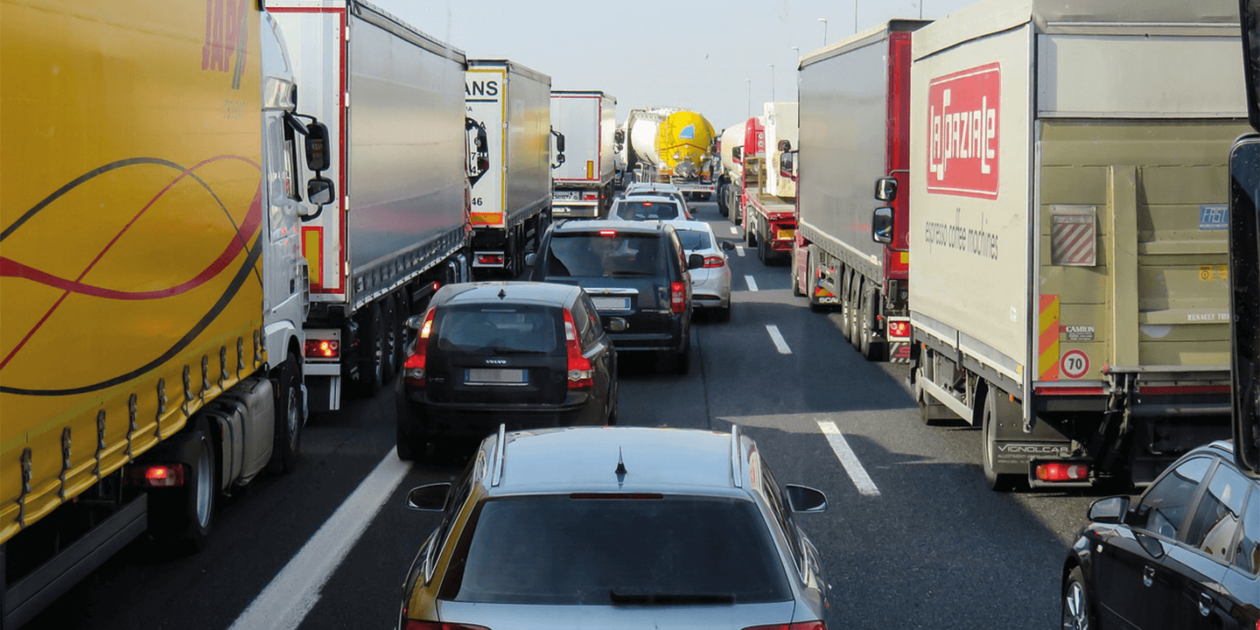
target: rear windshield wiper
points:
(498, 350)
(615, 274)
(670, 599)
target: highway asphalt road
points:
(912, 539)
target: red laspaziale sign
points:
(963, 125)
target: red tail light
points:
(590, 197)
(581, 376)
(322, 349)
(714, 261)
(807, 625)
(413, 369)
(158, 476)
(899, 329)
(1062, 471)
(677, 297)
(412, 624)
(490, 259)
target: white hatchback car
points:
(649, 208)
(658, 189)
(710, 284)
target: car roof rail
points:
(496, 464)
(737, 465)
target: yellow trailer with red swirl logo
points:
(150, 354)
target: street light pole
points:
(855, 5)
(771, 82)
(824, 21)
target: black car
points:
(523, 354)
(637, 271)
(1186, 555)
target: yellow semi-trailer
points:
(1068, 276)
(150, 354)
(671, 146)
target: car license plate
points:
(494, 376)
(611, 303)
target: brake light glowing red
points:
(647, 204)
(581, 376)
(413, 368)
(899, 328)
(608, 232)
(1062, 471)
(714, 261)
(590, 197)
(677, 297)
(806, 625)
(159, 476)
(490, 259)
(322, 348)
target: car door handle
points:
(1148, 576)
(1205, 604)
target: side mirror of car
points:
(882, 225)
(415, 322)
(429, 498)
(727, 246)
(695, 261)
(805, 500)
(886, 189)
(530, 259)
(1110, 510)
(617, 324)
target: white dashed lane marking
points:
(848, 460)
(777, 338)
(734, 230)
(752, 284)
(739, 249)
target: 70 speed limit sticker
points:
(1074, 364)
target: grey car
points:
(616, 528)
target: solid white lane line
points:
(739, 249)
(295, 590)
(734, 230)
(752, 284)
(777, 338)
(848, 460)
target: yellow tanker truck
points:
(669, 145)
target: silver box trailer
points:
(511, 202)
(583, 183)
(854, 130)
(393, 99)
(1068, 283)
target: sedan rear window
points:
(694, 239)
(647, 210)
(499, 329)
(604, 255)
(568, 549)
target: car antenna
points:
(621, 466)
(502, 294)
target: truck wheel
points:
(853, 306)
(372, 365)
(288, 434)
(796, 276)
(750, 234)
(183, 517)
(763, 253)
(867, 345)
(996, 482)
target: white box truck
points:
(583, 183)
(393, 98)
(511, 201)
(1068, 276)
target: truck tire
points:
(853, 306)
(993, 407)
(372, 345)
(796, 276)
(181, 518)
(286, 448)
(763, 252)
(750, 234)
(868, 346)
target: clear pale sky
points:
(693, 54)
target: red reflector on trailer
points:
(821, 292)
(490, 259)
(899, 328)
(590, 197)
(1062, 471)
(322, 349)
(159, 476)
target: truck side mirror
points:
(737, 155)
(619, 137)
(320, 191)
(785, 145)
(886, 189)
(787, 164)
(559, 148)
(882, 225)
(317, 147)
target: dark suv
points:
(521, 353)
(634, 270)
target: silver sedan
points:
(710, 284)
(617, 528)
